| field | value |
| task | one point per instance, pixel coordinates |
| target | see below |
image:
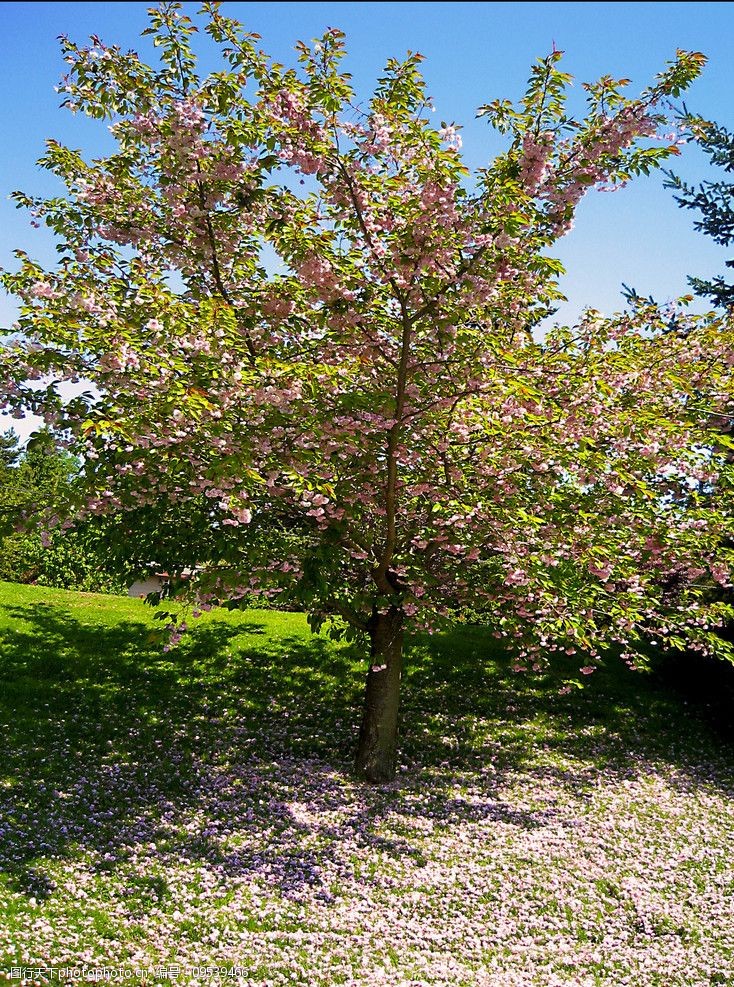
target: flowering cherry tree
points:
(303, 317)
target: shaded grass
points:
(84, 676)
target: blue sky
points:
(474, 52)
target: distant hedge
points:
(65, 564)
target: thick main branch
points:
(391, 490)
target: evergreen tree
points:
(714, 200)
(9, 448)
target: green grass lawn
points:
(196, 807)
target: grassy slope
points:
(196, 806)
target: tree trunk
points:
(378, 735)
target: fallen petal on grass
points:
(198, 808)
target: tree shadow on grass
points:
(235, 754)
(110, 744)
(618, 721)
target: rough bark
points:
(378, 735)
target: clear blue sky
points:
(474, 52)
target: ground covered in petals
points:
(196, 809)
